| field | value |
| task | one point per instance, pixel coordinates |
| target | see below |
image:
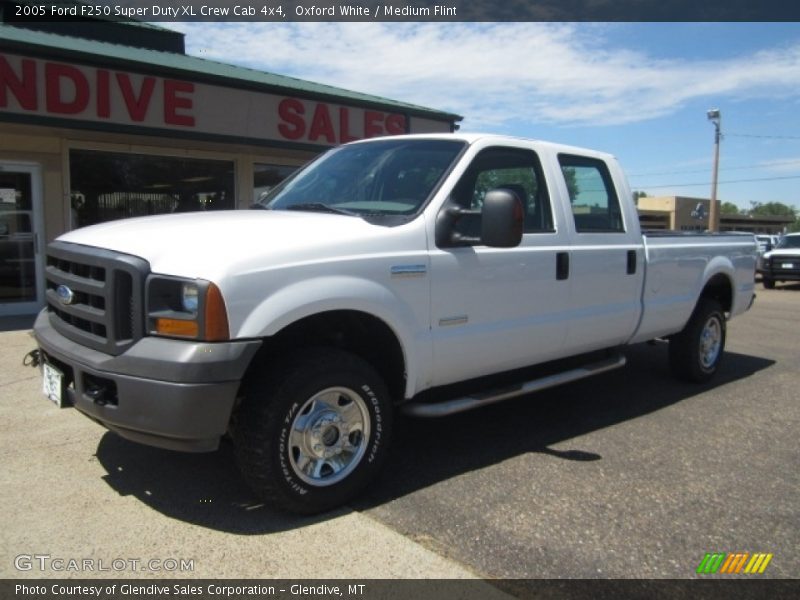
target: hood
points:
(778, 252)
(212, 244)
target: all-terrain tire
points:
(695, 353)
(313, 429)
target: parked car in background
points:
(782, 263)
(767, 242)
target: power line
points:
(665, 185)
(765, 137)
(740, 168)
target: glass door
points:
(20, 255)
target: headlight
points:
(183, 308)
(190, 299)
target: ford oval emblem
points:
(65, 295)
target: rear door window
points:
(592, 196)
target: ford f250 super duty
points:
(369, 282)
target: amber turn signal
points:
(177, 327)
(216, 316)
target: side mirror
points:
(502, 219)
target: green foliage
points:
(570, 176)
(729, 208)
(774, 209)
(494, 178)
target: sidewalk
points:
(74, 491)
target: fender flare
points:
(314, 296)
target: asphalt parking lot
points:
(627, 475)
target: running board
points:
(457, 405)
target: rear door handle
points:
(562, 266)
(632, 262)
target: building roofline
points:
(48, 45)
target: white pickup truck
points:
(369, 282)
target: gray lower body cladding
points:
(161, 392)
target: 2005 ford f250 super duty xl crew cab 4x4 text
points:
(369, 282)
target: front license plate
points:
(52, 381)
(787, 265)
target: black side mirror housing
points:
(502, 219)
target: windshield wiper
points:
(320, 207)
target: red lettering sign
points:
(321, 125)
(344, 127)
(68, 90)
(373, 123)
(22, 88)
(58, 99)
(103, 94)
(292, 124)
(291, 111)
(396, 125)
(173, 102)
(137, 107)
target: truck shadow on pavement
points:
(788, 286)
(206, 489)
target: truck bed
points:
(678, 264)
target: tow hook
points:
(32, 359)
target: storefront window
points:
(17, 267)
(106, 185)
(266, 177)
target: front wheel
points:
(313, 430)
(695, 352)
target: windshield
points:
(790, 241)
(387, 177)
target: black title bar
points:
(404, 10)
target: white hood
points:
(213, 244)
(782, 252)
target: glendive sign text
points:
(35, 87)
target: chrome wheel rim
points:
(710, 342)
(329, 435)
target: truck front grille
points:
(95, 297)
(786, 263)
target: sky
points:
(638, 90)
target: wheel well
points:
(359, 333)
(719, 288)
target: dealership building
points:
(102, 121)
(681, 213)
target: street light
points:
(715, 117)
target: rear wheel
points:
(768, 283)
(312, 430)
(695, 352)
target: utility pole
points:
(715, 117)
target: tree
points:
(767, 209)
(571, 179)
(729, 208)
(774, 209)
